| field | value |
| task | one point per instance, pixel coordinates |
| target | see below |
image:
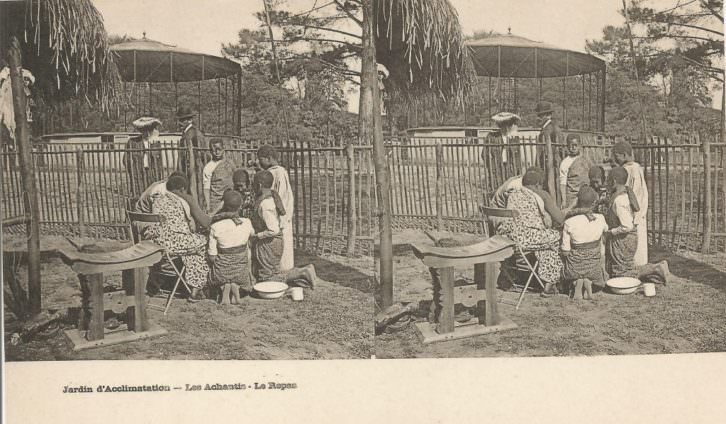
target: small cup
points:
(649, 289)
(296, 293)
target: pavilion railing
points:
(435, 183)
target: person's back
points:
(227, 248)
(268, 159)
(146, 200)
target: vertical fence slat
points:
(707, 221)
(439, 187)
(80, 190)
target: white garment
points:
(579, 230)
(623, 211)
(281, 184)
(636, 181)
(268, 211)
(7, 113)
(226, 234)
(207, 173)
(146, 155)
(565, 168)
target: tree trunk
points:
(25, 150)
(370, 131)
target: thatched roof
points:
(421, 44)
(65, 45)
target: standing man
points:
(623, 156)
(549, 132)
(574, 173)
(191, 135)
(216, 176)
(268, 158)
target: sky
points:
(203, 25)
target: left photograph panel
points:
(167, 196)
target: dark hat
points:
(185, 112)
(543, 107)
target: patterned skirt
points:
(231, 267)
(266, 256)
(620, 253)
(584, 262)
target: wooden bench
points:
(133, 262)
(442, 260)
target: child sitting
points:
(581, 240)
(228, 236)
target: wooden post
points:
(371, 132)
(27, 170)
(95, 328)
(350, 152)
(550, 161)
(446, 316)
(80, 192)
(708, 216)
(439, 186)
(192, 171)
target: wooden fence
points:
(84, 188)
(439, 183)
(435, 183)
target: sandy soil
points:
(332, 322)
(686, 316)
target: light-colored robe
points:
(281, 185)
(636, 181)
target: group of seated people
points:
(595, 237)
(240, 242)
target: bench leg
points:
(134, 281)
(490, 285)
(95, 327)
(446, 318)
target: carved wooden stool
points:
(442, 260)
(90, 267)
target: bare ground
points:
(332, 322)
(686, 316)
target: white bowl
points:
(623, 285)
(270, 289)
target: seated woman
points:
(228, 237)
(622, 237)
(581, 245)
(176, 236)
(531, 229)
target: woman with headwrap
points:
(531, 229)
(581, 244)
(228, 237)
(175, 234)
(622, 242)
(267, 244)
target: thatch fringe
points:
(70, 35)
(421, 44)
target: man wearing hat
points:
(143, 159)
(549, 132)
(191, 135)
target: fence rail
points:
(435, 183)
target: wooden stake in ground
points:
(27, 170)
(370, 131)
